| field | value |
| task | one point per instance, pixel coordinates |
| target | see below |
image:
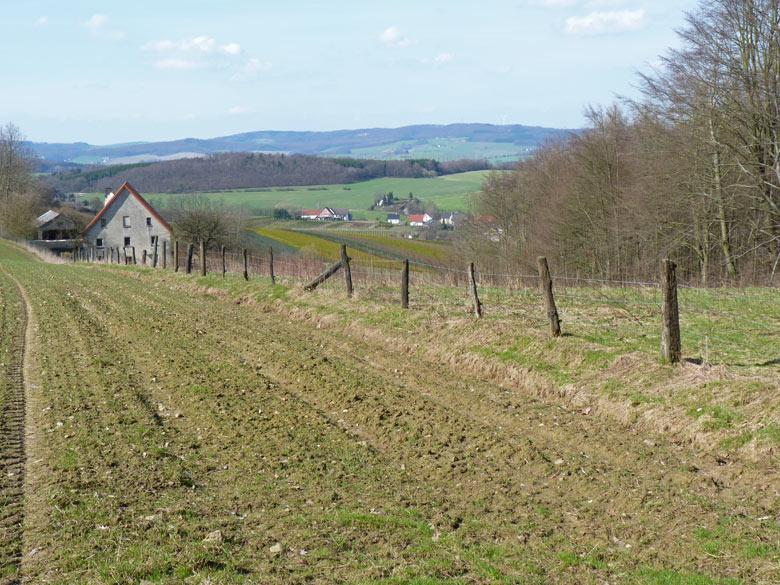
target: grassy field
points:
(325, 243)
(449, 193)
(209, 430)
(444, 149)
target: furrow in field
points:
(235, 430)
(13, 320)
(482, 451)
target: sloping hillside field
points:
(195, 430)
(449, 193)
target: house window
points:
(148, 222)
(99, 242)
(103, 222)
(126, 221)
(127, 241)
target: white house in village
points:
(127, 222)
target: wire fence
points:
(641, 304)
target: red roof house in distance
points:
(126, 221)
(420, 219)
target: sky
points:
(106, 72)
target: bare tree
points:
(197, 219)
(15, 166)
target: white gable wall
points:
(114, 232)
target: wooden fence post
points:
(176, 255)
(271, 264)
(224, 263)
(134, 259)
(347, 270)
(143, 258)
(547, 292)
(671, 345)
(165, 254)
(473, 290)
(190, 250)
(246, 265)
(154, 254)
(405, 285)
(323, 277)
(202, 252)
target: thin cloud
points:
(98, 26)
(176, 64)
(251, 69)
(393, 38)
(41, 21)
(440, 59)
(597, 23)
(202, 45)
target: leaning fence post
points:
(224, 263)
(202, 252)
(473, 290)
(405, 285)
(176, 255)
(190, 250)
(246, 265)
(347, 270)
(165, 254)
(671, 345)
(549, 301)
(271, 264)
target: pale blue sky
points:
(109, 71)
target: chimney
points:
(108, 195)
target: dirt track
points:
(184, 413)
(13, 321)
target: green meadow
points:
(449, 193)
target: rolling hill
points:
(455, 141)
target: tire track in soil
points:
(12, 438)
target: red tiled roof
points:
(126, 187)
(417, 218)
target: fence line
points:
(639, 299)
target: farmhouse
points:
(422, 219)
(127, 222)
(310, 214)
(327, 214)
(394, 218)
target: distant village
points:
(451, 219)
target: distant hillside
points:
(452, 142)
(247, 170)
